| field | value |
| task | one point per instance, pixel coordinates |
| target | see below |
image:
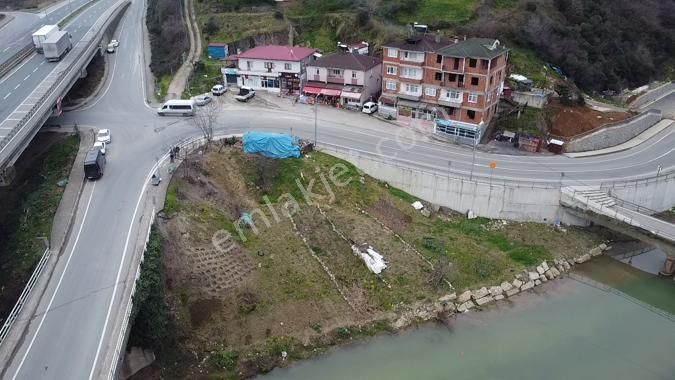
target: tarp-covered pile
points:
(272, 145)
(374, 261)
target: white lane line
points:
(58, 285)
(17, 86)
(27, 76)
(119, 270)
(35, 69)
(7, 48)
(7, 96)
(43, 62)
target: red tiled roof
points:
(278, 53)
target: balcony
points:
(410, 96)
(450, 102)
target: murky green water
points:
(566, 330)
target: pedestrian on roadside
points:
(171, 155)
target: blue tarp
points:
(272, 145)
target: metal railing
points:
(15, 59)
(24, 295)
(82, 53)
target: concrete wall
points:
(653, 95)
(497, 200)
(615, 134)
(535, 99)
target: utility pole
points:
(473, 160)
(658, 170)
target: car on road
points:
(110, 49)
(178, 107)
(218, 90)
(202, 100)
(114, 43)
(103, 135)
(245, 93)
(100, 145)
(369, 108)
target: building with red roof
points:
(274, 68)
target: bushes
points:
(168, 36)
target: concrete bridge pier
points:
(7, 175)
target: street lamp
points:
(658, 170)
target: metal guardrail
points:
(83, 51)
(15, 59)
(24, 295)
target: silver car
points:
(202, 100)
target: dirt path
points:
(177, 85)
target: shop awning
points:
(311, 90)
(330, 92)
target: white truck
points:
(42, 34)
(57, 45)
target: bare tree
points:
(204, 120)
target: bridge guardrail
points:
(14, 60)
(58, 81)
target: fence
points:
(15, 59)
(24, 295)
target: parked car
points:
(202, 100)
(245, 93)
(369, 108)
(110, 49)
(103, 135)
(115, 43)
(218, 90)
(100, 145)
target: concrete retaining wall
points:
(615, 134)
(512, 201)
(653, 95)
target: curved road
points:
(72, 329)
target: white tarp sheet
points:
(374, 261)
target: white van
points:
(177, 107)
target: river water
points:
(615, 322)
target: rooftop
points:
(278, 53)
(347, 61)
(486, 48)
(421, 42)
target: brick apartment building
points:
(452, 84)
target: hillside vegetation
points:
(600, 44)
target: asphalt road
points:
(17, 33)
(18, 84)
(666, 105)
(72, 330)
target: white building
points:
(350, 78)
(274, 68)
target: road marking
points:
(7, 96)
(27, 76)
(35, 69)
(119, 270)
(7, 48)
(43, 62)
(58, 285)
(17, 86)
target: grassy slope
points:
(446, 11)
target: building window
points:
(391, 85)
(317, 72)
(430, 91)
(492, 78)
(474, 81)
(472, 62)
(450, 110)
(336, 72)
(499, 75)
(288, 66)
(269, 65)
(392, 53)
(411, 55)
(471, 114)
(391, 70)
(353, 74)
(452, 77)
(412, 89)
(473, 98)
(484, 64)
(249, 65)
(409, 72)
(456, 65)
(438, 76)
(269, 83)
(439, 58)
(454, 96)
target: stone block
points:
(499, 297)
(603, 246)
(495, 290)
(566, 265)
(543, 279)
(425, 212)
(468, 305)
(533, 276)
(479, 293)
(537, 282)
(555, 272)
(582, 259)
(484, 300)
(512, 292)
(548, 275)
(595, 251)
(464, 297)
(540, 269)
(544, 265)
(506, 286)
(517, 283)
(527, 285)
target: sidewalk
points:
(635, 141)
(177, 85)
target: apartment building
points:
(351, 79)
(453, 85)
(274, 68)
